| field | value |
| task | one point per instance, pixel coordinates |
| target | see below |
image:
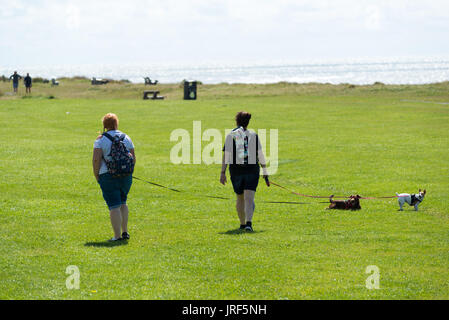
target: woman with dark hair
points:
(115, 189)
(243, 153)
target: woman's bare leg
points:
(240, 206)
(124, 211)
(116, 221)
(249, 196)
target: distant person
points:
(28, 83)
(15, 80)
(243, 153)
(115, 189)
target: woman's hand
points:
(267, 181)
(223, 178)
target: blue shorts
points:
(115, 190)
(15, 85)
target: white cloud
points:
(373, 18)
(217, 29)
(73, 17)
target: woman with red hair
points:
(115, 189)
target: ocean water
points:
(388, 71)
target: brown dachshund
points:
(353, 203)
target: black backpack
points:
(122, 162)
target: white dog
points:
(412, 199)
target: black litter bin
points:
(190, 90)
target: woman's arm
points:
(96, 162)
(223, 169)
(227, 158)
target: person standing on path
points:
(15, 80)
(28, 83)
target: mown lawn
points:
(182, 246)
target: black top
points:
(15, 78)
(246, 167)
(27, 81)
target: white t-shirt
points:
(105, 144)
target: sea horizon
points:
(408, 70)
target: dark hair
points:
(242, 118)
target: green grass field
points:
(371, 140)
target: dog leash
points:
(375, 198)
(215, 197)
(305, 195)
(327, 197)
(156, 184)
(273, 202)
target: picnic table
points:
(152, 94)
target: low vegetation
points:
(80, 87)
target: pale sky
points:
(66, 32)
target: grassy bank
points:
(79, 88)
(371, 140)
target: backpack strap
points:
(107, 135)
(121, 137)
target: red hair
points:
(110, 121)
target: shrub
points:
(80, 78)
(122, 81)
(40, 80)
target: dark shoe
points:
(242, 226)
(249, 227)
(115, 239)
(125, 236)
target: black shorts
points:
(245, 181)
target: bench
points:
(153, 95)
(96, 81)
(149, 82)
